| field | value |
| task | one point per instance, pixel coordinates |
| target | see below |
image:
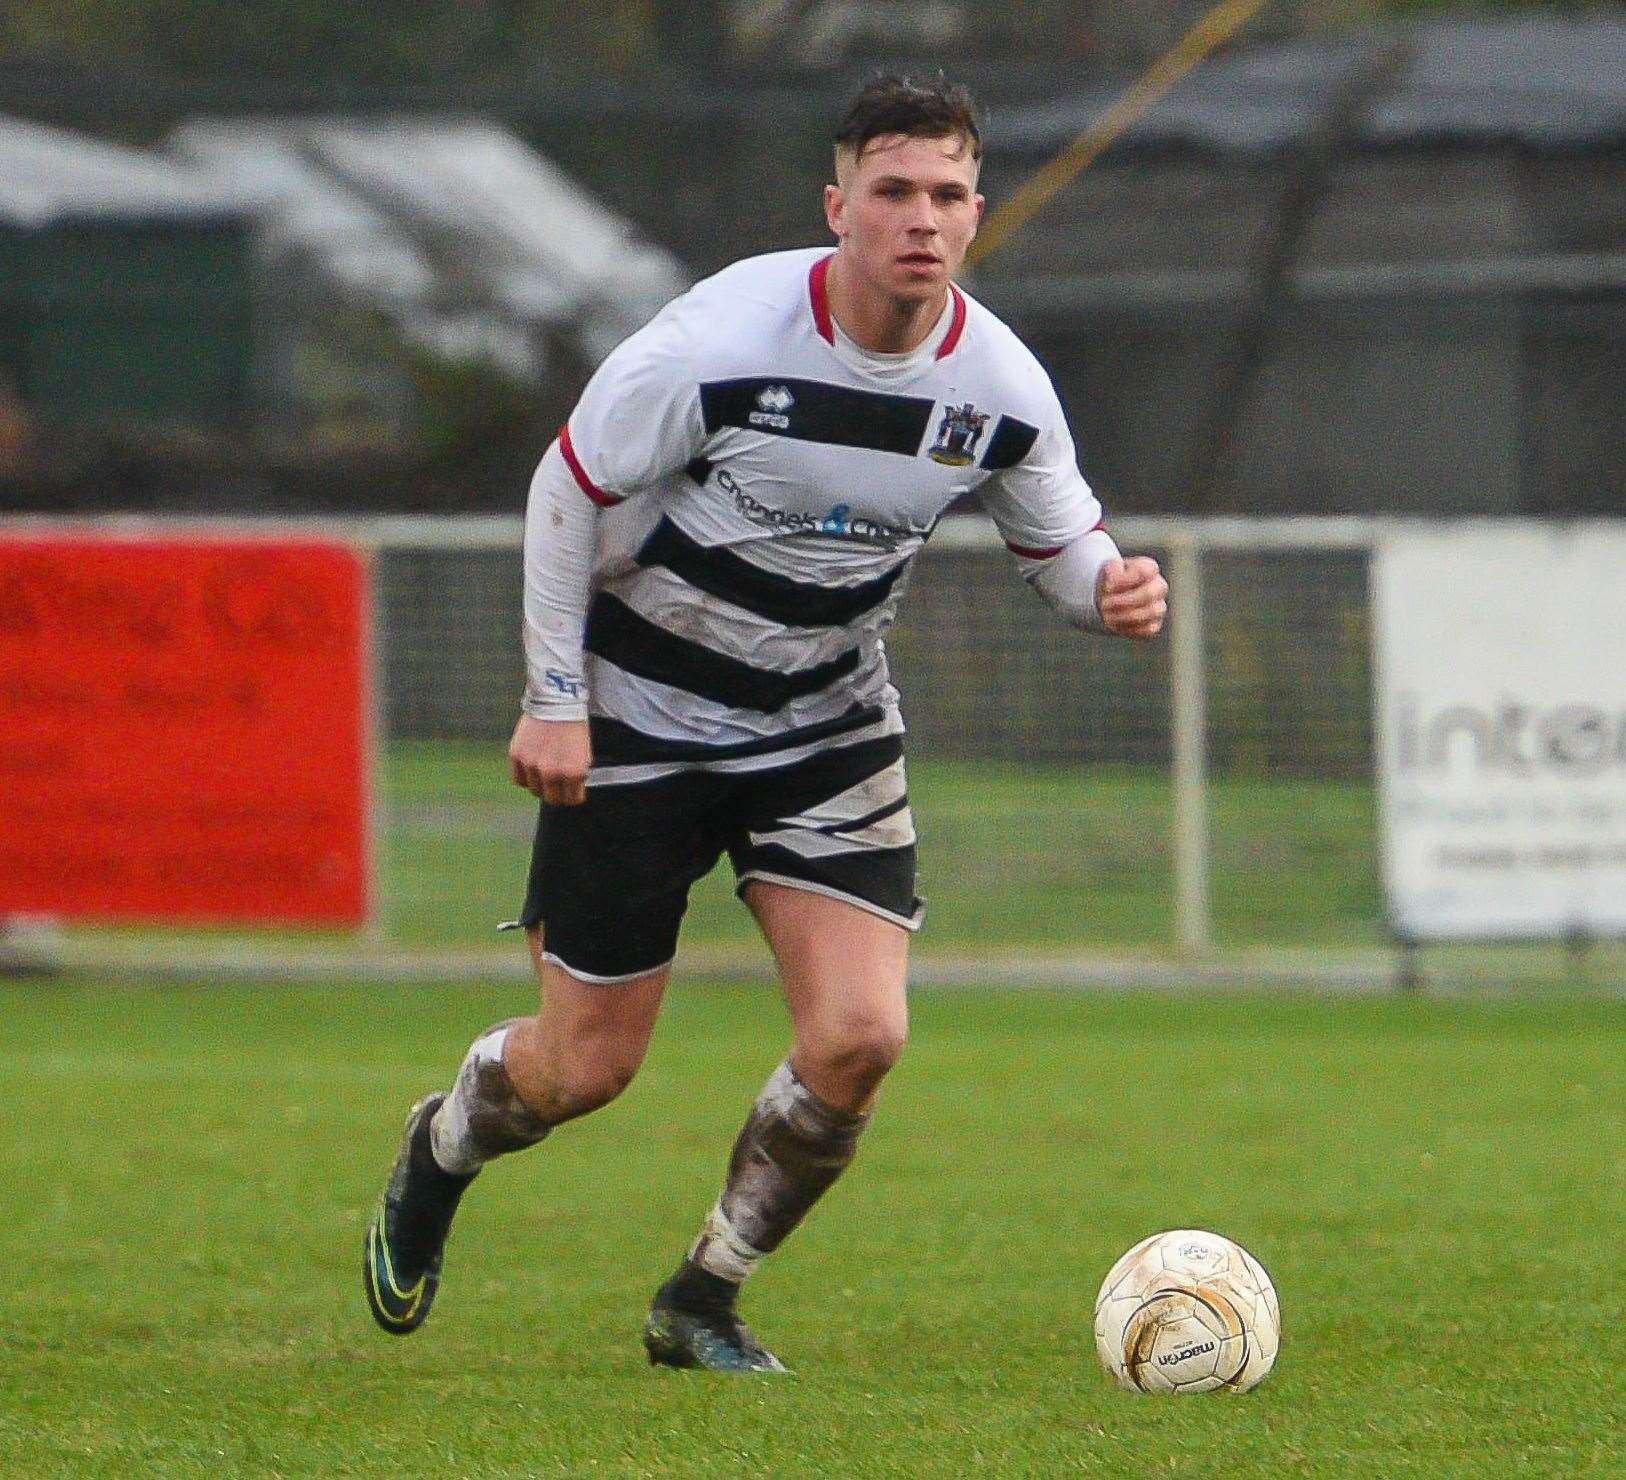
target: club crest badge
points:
(957, 437)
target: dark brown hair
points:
(894, 105)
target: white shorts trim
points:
(604, 981)
(908, 922)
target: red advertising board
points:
(184, 729)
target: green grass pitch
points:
(1012, 857)
(1028, 860)
(1437, 1187)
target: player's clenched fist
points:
(550, 758)
(1132, 597)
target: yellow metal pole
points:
(1222, 22)
(1193, 927)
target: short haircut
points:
(891, 104)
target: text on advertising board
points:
(183, 730)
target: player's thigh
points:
(588, 1038)
(825, 855)
(572, 1010)
(844, 971)
(837, 825)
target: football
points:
(1187, 1312)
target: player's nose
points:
(922, 215)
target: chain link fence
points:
(1073, 794)
(1054, 767)
(987, 671)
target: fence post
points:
(1188, 723)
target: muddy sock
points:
(483, 1116)
(698, 1290)
(793, 1146)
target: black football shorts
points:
(610, 879)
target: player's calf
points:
(485, 1116)
(447, 1140)
(793, 1146)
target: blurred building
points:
(125, 287)
(456, 236)
(297, 314)
(1448, 332)
(1370, 269)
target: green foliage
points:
(467, 410)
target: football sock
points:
(792, 1147)
(483, 1116)
(698, 1291)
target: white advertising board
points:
(1500, 685)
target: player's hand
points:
(1132, 597)
(550, 758)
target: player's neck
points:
(879, 322)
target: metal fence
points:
(1211, 788)
(987, 671)
(1267, 677)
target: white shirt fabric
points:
(732, 507)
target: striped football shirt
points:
(765, 483)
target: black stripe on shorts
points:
(719, 572)
(616, 633)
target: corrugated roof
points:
(456, 227)
(49, 174)
(302, 208)
(1548, 82)
(548, 250)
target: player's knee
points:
(591, 1083)
(860, 1053)
(579, 1081)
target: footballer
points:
(714, 549)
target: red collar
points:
(819, 299)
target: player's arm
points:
(1052, 523)
(1094, 586)
(550, 753)
(638, 419)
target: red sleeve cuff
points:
(1049, 552)
(1028, 554)
(588, 486)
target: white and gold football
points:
(1187, 1312)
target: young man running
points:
(714, 549)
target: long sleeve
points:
(1066, 579)
(638, 418)
(560, 525)
(1050, 519)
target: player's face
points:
(905, 212)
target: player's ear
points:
(980, 202)
(835, 209)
